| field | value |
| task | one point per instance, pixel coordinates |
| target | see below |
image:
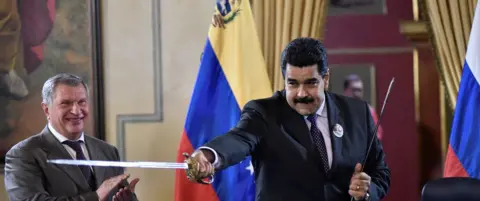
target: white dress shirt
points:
(62, 139)
(322, 124)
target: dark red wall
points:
(377, 33)
(400, 138)
(362, 31)
(429, 125)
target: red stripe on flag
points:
(186, 190)
(453, 167)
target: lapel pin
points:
(338, 130)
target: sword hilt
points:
(193, 172)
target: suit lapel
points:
(334, 119)
(55, 150)
(96, 154)
(295, 126)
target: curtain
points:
(280, 21)
(450, 22)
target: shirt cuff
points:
(215, 160)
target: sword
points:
(376, 127)
(190, 166)
(155, 165)
(378, 123)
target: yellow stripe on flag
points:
(238, 50)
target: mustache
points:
(305, 100)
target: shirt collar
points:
(62, 138)
(321, 110)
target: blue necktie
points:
(75, 145)
(318, 140)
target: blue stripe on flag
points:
(213, 111)
(465, 134)
(213, 108)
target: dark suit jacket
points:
(287, 167)
(28, 176)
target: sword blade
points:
(376, 127)
(378, 122)
(137, 164)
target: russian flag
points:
(463, 156)
(232, 72)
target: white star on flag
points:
(250, 168)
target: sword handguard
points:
(193, 174)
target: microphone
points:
(376, 127)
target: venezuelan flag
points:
(463, 156)
(232, 72)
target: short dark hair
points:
(349, 79)
(303, 52)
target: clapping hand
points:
(126, 193)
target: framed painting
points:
(39, 39)
(357, 7)
(365, 72)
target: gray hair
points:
(49, 87)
